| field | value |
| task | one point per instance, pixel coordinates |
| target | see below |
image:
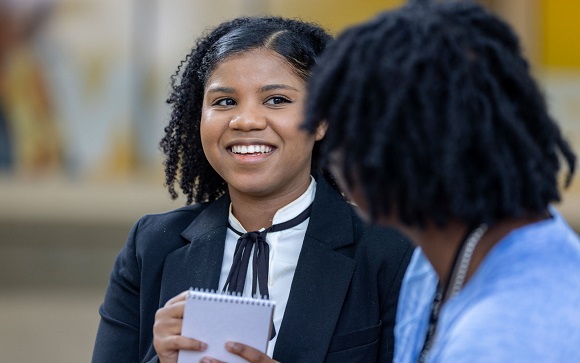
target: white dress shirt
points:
(285, 248)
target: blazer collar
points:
(321, 281)
(212, 218)
(331, 218)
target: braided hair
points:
(433, 108)
(300, 43)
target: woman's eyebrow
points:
(271, 87)
(220, 89)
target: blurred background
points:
(83, 85)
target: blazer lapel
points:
(198, 263)
(320, 282)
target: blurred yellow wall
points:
(556, 31)
(559, 31)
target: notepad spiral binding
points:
(212, 295)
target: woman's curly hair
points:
(300, 43)
(433, 108)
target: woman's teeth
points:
(251, 149)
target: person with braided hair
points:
(437, 128)
(235, 148)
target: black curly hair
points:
(433, 108)
(299, 42)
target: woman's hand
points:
(167, 338)
(248, 353)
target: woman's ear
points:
(321, 130)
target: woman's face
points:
(250, 125)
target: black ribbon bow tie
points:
(260, 262)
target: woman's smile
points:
(251, 153)
(251, 149)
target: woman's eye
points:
(277, 101)
(225, 102)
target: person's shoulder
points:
(500, 329)
(167, 227)
(498, 323)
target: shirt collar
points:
(287, 212)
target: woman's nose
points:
(249, 119)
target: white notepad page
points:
(218, 318)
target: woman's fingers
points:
(248, 353)
(178, 342)
(180, 297)
(167, 338)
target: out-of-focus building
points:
(84, 82)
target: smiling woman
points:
(235, 147)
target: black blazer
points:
(342, 300)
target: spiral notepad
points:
(217, 318)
